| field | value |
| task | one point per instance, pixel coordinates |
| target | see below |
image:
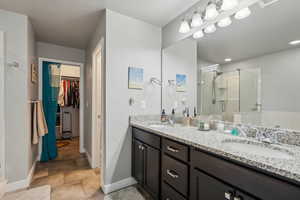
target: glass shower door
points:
(250, 87)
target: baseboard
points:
(118, 185)
(13, 186)
(2, 187)
(89, 157)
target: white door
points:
(97, 107)
(2, 90)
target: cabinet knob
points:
(141, 147)
(238, 198)
(169, 148)
(172, 174)
(228, 195)
(167, 198)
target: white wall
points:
(32, 91)
(19, 48)
(180, 58)
(130, 42)
(2, 114)
(52, 51)
(139, 45)
(100, 32)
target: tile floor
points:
(69, 176)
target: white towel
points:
(40, 127)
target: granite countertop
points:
(213, 141)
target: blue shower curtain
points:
(51, 83)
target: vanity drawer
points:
(169, 193)
(148, 138)
(252, 181)
(175, 149)
(175, 174)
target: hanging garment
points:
(39, 127)
(61, 96)
(51, 78)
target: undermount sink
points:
(257, 149)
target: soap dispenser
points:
(186, 118)
(163, 116)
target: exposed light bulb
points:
(229, 4)
(184, 27)
(198, 34)
(196, 20)
(224, 22)
(242, 14)
(211, 12)
(228, 60)
(295, 42)
(210, 29)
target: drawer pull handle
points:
(228, 195)
(169, 148)
(172, 174)
(168, 198)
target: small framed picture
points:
(180, 82)
(34, 73)
(135, 78)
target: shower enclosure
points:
(229, 92)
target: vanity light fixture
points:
(211, 12)
(210, 29)
(229, 4)
(294, 42)
(225, 22)
(198, 34)
(228, 60)
(242, 14)
(184, 27)
(196, 20)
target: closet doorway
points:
(69, 113)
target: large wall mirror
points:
(247, 72)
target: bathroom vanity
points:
(180, 163)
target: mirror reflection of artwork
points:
(180, 82)
(135, 78)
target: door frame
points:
(81, 96)
(98, 144)
(2, 107)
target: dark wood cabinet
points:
(146, 165)
(138, 162)
(152, 171)
(170, 170)
(204, 187)
(242, 196)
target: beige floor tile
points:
(91, 185)
(39, 173)
(78, 175)
(68, 192)
(53, 181)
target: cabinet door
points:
(242, 196)
(138, 161)
(204, 187)
(152, 171)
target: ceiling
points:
(266, 31)
(72, 22)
